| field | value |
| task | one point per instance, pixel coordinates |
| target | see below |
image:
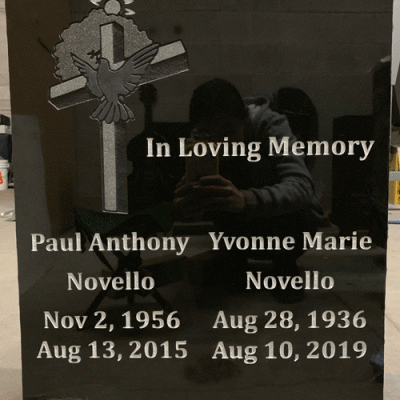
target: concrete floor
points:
(10, 366)
(10, 352)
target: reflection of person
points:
(271, 197)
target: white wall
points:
(4, 78)
(396, 40)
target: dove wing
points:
(89, 73)
(130, 73)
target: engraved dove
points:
(112, 86)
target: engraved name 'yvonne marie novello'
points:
(178, 244)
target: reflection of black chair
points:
(172, 168)
(146, 222)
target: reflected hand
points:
(211, 193)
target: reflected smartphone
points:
(197, 167)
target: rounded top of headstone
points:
(112, 7)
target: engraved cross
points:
(171, 59)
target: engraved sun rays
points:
(127, 10)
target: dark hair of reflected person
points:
(217, 97)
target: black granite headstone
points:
(265, 280)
